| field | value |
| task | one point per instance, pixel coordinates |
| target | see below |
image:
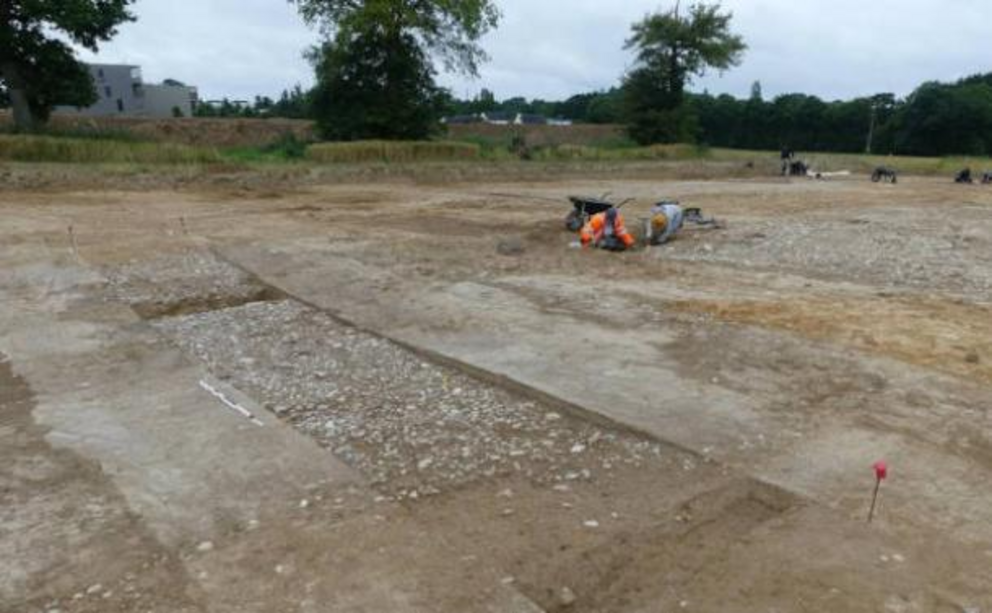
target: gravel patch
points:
(907, 250)
(189, 283)
(411, 427)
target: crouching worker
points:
(667, 219)
(607, 231)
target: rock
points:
(94, 589)
(512, 246)
(205, 546)
(304, 503)
(592, 523)
(566, 597)
(973, 357)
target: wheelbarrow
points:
(584, 207)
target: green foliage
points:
(947, 119)
(374, 84)
(38, 64)
(375, 76)
(288, 146)
(449, 29)
(595, 107)
(292, 104)
(33, 148)
(391, 152)
(938, 119)
(670, 50)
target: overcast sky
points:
(555, 48)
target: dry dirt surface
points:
(403, 397)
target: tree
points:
(38, 65)
(375, 86)
(940, 119)
(756, 92)
(671, 50)
(378, 55)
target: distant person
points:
(987, 178)
(787, 155)
(667, 219)
(964, 176)
(607, 231)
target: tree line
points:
(936, 119)
(295, 103)
(377, 64)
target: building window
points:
(120, 105)
(107, 91)
(100, 72)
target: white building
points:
(121, 92)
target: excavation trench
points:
(575, 511)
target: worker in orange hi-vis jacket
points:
(607, 231)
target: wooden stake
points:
(881, 474)
(874, 500)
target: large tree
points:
(375, 70)
(672, 48)
(38, 66)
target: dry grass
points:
(655, 152)
(195, 131)
(537, 135)
(864, 164)
(392, 152)
(27, 148)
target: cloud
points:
(554, 48)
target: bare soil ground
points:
(460, 412)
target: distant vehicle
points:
(964, 176)
(797, 168)
(884, 174)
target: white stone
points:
(566, 597)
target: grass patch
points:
(392, 152)
(32, 148)
(619, 153)
(286, 148)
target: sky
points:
(552, 49)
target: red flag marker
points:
(881, 474)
